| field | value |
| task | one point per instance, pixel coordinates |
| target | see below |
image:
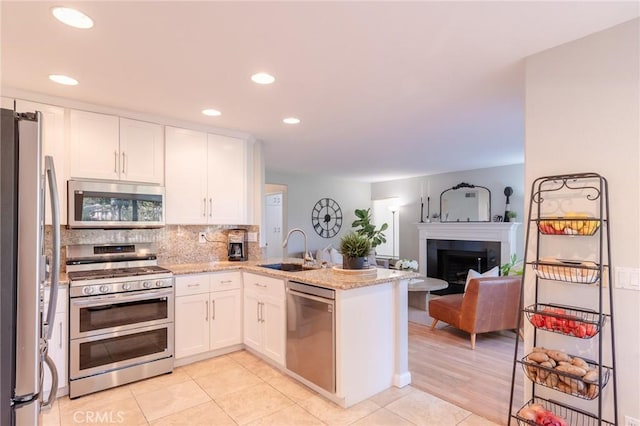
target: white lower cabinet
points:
(264, 316)
(208, 312)
(59, 343)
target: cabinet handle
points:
(193, 285)
(258, 311)
(260, 285)
(213, 310)
(261, 311)
(210, 207)
(60, 340)
(115, 161)
(225, 281)
(204, 207)
(124, 162)
(206, 315)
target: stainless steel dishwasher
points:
(311, 347)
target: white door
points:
(191, 324)
(227, 184)
(141, 151)
(186, 176)
(94, 149)
(251, 321)
(226, 319)
(274, 237)
(274, 329)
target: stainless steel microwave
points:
(108, 204)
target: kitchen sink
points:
(288, 267)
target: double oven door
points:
(115, 331)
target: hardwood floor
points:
(442, 363)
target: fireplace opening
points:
(450, 260)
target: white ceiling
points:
(384, 89)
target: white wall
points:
(303, 193)
(582, 115)
(410, 190)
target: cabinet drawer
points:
(263, 286)
(226, 281)
(192, 284)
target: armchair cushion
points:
(493, 272)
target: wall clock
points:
(326, 217)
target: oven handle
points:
(123, 297)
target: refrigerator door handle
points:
(55, 263)
(53, 393)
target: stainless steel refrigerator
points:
(24, 270)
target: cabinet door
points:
(227, 183)
(186, 176)
(251, 321)
(94, 150)
(191, 324)
(226, 319)
(6, 103)
(141, 151)
(53, 144)
(274, 329)
(58, 353)
(59, 343)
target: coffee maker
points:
(237, 244)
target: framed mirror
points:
(465, 203)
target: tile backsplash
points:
(176, 243)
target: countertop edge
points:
(320, 276)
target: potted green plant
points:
(511, 268)
(355, 248)
(365, 228)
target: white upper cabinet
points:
(108, 147)
(186, 183)
(227, 179)
(94, 143)
(53, 144)
(141, 151)
(206, 179)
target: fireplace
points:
(500, 236)
(451, 260)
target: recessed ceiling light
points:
(263, 78)
(211, 112)
(72, 17)
(291, 120)
(63, 79)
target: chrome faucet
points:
(305, 253)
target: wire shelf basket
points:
(586, 272)
(565, 382)
(571, 416)
(566, 320)
(568, 226)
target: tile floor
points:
(241, 389)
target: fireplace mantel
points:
(504, 232)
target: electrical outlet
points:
(630, 421)
(202, 238)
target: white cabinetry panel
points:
(141, 151)
(206, 180)
(94, 151)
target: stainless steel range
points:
(121, 316)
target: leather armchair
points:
(489, 304)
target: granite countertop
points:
(329, 276)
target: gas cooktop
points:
(117, 273)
